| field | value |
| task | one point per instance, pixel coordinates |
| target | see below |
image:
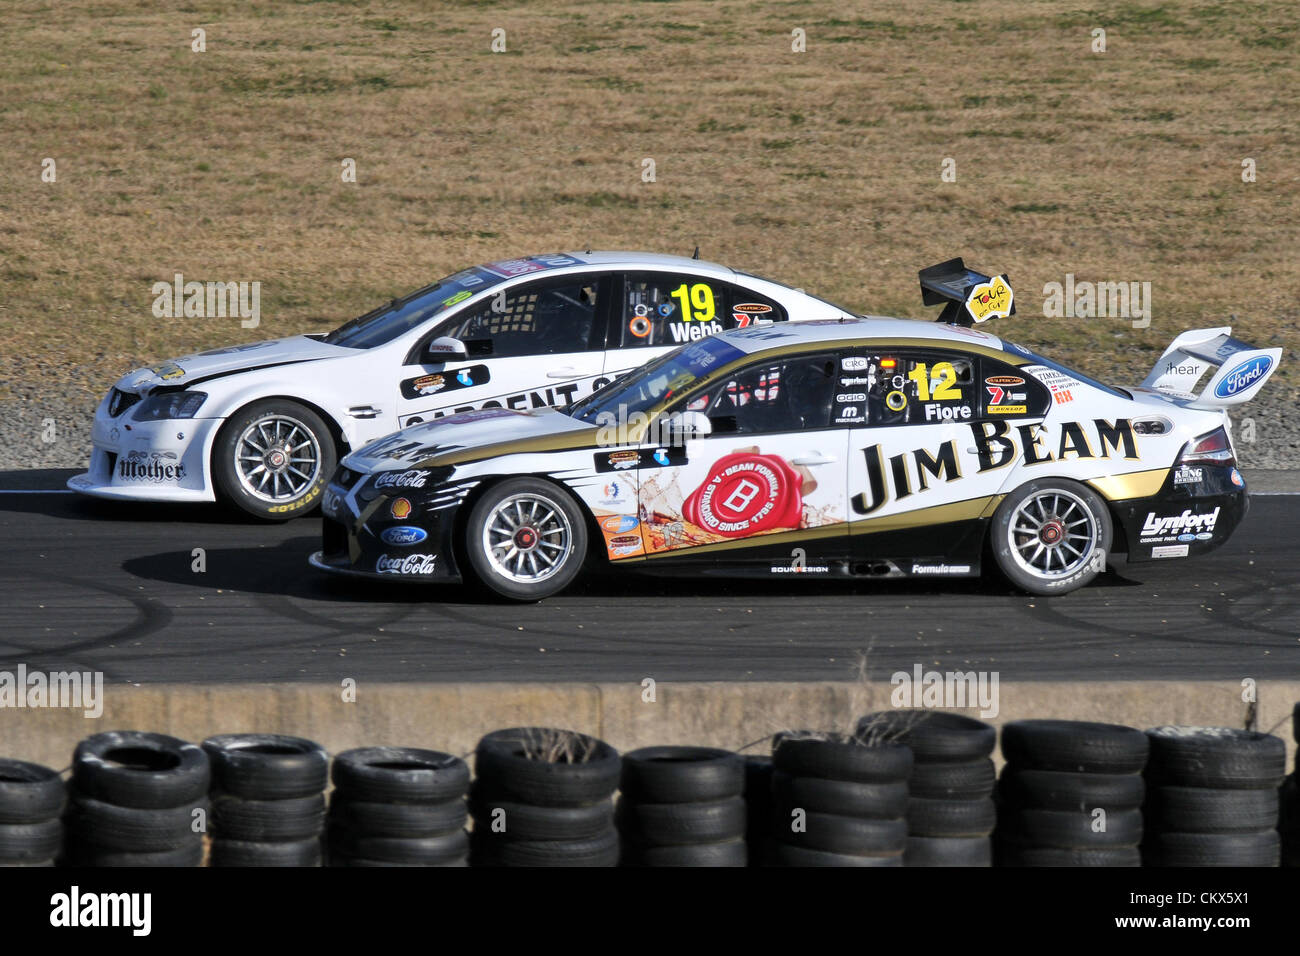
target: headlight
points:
(169, 405)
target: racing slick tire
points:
(526, 539)
(273, 458)
(1051, 536)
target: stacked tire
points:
(758, 805)
(32, 798)
(1070, 794)
(950, 809)
(837, 802)
(544, 797)
(398, 806)
(137, 799)
(268, 800)
(682, 806)
(1212, 797)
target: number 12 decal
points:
(945, 391)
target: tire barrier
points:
(137, 799)
(950, 809)
(682, 806)
(32, 799)
(1213, 797)
(543, 797)
(1070, 794)
(837, 801)
(906, 788)
(398, 806)
(268, 800)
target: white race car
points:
(263, 425)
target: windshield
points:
(642, 389)
(401, 315)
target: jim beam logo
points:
(150, 466)
(996, 447)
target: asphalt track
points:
(110, 587)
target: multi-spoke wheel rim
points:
(1053, 534)
(277, 458)
(527, 538)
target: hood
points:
(201, 366)
(472, 436)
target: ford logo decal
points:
(1243, 376)
(403, 535)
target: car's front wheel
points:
(1051, 536)
(526, 539)
(273, 458)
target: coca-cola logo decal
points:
(406, 564)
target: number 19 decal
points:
(696, 302)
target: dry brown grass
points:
(820, 169)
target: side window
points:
(788, 395)
(1007, 392)
(749, 308)
(538, 318)
(908, 387)
(662, 309)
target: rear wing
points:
(969, 296)
(1240, 369)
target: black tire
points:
(1221, 758)
(1262, 848)
(524, 821)
(131, 768)
(933, 735)
(459, 861)
(399, 775)
(89, 855)
(1068, 830)
(602, 850)
(837, 834)
(1123, 856)
(841, 758)
(1201, 810)
(403, 820)
(1082, 792)
(502, 763)
(569, 522)
(29, 792)
(953, 781)
(948, 851)
(1078, 571)
(227, 446)
(421, 851)
(1074, 745)
(21, 842)
(887, 801)
(251, 853)
(681, 824)
(681, 774)
(267, 821)
(133, 830)
(951, 818)
(776, 853)
(729, 853)
(267, 766)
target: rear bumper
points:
(1185, 518)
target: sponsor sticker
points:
(618, 524)
(746, 494)
(403, 535)
(854, 363)
(1243, 376)
(401, 479)
(1186, 475)
(1004, 380)
(157, 466)
(940, 568)
(406, 564)
(400, 508)
(990, 300)
(1170, 551)
(629, 458)
(1007, 410)
(1157, 528)
(446, 381)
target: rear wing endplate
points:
(969, 296)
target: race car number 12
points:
(947, 376)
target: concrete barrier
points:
(736, 716)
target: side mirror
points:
(445, 348)
(685, 425)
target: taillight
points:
(1212, 448)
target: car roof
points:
(650, 260)
(862, 328)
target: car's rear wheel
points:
(526, 539)
(1051, 536)
(273, 458)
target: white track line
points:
(38, 491)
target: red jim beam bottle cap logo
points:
(401, 508)
(746, 494)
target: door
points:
(766, 488)
(530, 346)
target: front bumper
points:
(164, 460)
